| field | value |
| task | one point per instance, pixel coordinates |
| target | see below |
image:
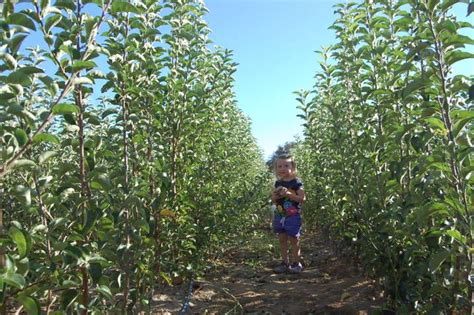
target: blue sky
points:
(274, 42)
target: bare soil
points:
(243, 282)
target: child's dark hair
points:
(285, 156)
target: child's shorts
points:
(289, 225)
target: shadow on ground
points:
(243, 283)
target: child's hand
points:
(281, 191)
(275, 196)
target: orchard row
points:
(124, 160)
(388, 149)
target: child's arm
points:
(299, 196)
(275, 196)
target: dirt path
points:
(244, 283)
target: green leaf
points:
(468, 172)
(70, 119)
(437, 259)
(18, 77)
(51, 22)
(21, 240)
(417, 49)
(458, 39)
(107, 86)
(14, 279)
(7, 96)
(436, 123)
(446, 25)
(10, 61)
(90, 161)
(44, 181)
(96, 74)
(83, 80)
(97, 259)
(30, 70)
(30, 304)
(68, 297)
(64, 108)
(50, 84)
(429, 111)
(455, 234)
(58, 222)
(95, 270)
(103, 182)
(448, 4)
(456, 55)
(81, 65)
(15, 42)
(23, 194)
(66, 193)
(432, 4)
(72, 254)
(105, 291)
(471, 93)
(8, 8)
(417, 143)
(413, 86)
(434, 209)
(21, 137)
(46, 137)
(144, 226)
(165, 277)
(44, 4)
(122, 6)
(108, 112)
(66, 4)
(403, 130)
(45, 156)
(90, 220)
(441, 166)
(23, 163)
(403, 22)
(467, 117)
(74, 251)
(21, 19)
(15, 109)
(19, 90)
(462, 113)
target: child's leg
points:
(283, 238)
(295, 249)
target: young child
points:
(288, 197)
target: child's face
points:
(285, 169)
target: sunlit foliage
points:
(388, 146)
(124, 160)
